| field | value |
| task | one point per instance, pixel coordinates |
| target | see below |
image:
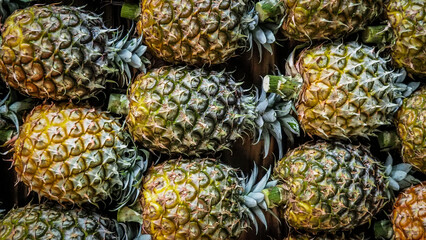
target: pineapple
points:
(205, 32)
(408, 21)
(193, 112)
(198, 199)
(411, 125)
(332, 187)
(345, 90)
(408, 216)
(8, 6)
(48, 221)
(76, 155)
(317, 20)
(63, 52)
(325, 236)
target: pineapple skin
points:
(195, 33)
(71, 154)
(411, 124)
(320, 19)
(55, 52)
(183, 111)
(331, 187)
(408, 21)
(348, 91)
(192, 199)
(408, 216)
(48, 221)
(326, 236)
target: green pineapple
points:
(333, 187)
(198, 199)
(411, 125)
(341, 90)
(184, 111)
(48, 221)
(317, 20)
(76, 155)
(64, 52)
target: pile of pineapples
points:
(166, 119)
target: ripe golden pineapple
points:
(345, 89)
(408, 21)
(63, 52)
(411, 126)
(409, 214)
(184, 111)
(198, 199)
(202, 32)
(332, 187)
(76, 155)
(320, 19)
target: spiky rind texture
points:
(348, 90)
(195, 33)
(411, 126)
(178, 110)
(73, 154)
(331, 187)
(320, 19)
(326, 236)
(48, 221)
(55, 52)
(199, 199)
(408, 21)
(408, 216)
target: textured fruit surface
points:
(411, 125)
(47, 221)
(408, 21)
(71, 154)
(196, 199)
(55, 52)
(184, 111)
(193, 32)
(321, 19)
(331, 186)
(348, 91)
(409, 214)
(325, 236)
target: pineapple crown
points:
(398, 175)
(10, 110)
(132, 166)
(272, 117)
(262, 22)
(127, 51)
(253, 197)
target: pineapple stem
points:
(388, 140)
(287, 86)
(130, 11)
(118, 104)
(127, 214)
(377, 34)
(267, 9)
(274, 196)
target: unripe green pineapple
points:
(48, 221)
(319, 19)
(76, 155)
(346, 90)
(199, 199)
(63, 52)
(332, 187)
(179, 110)
(408, 21)
(411, 126)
